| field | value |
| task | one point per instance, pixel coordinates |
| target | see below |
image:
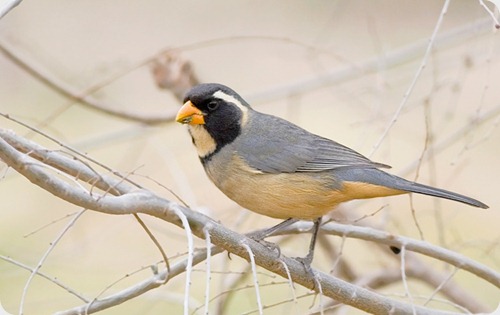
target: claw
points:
(306, 262)
(272, 246)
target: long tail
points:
(381, 178)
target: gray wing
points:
(278, 146)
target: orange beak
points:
(189, 114)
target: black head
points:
(217, 109)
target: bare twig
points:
(421, 271)
(254, 276)
(290, 283)
(391, 59)
(189, 267)
(43, 275)
(44, 257)
(459, 134)
(208, 271)
(404, 278)
(492, 15)
(7, 6)
(415, 78)
(155, 241)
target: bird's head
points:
(215, 114)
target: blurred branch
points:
(454, 137)
(174, 73)
(134, 200)
(418, 270)
(7, 6)
(390, 60)
(84, 97)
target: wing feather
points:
(277, 146)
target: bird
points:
(275, 168)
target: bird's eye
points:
(212, 105)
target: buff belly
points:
(282, 195)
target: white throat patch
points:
(203, 141)
(231, 99)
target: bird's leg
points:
(306, 261)
(259, 236)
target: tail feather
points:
(438, 192)
(381, 178)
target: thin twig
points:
(155, 241)
(408, 92)
(404, 279)
(254, 276)
(43, 275)
(189, 268)
(69, 215)
(290, 284)
(492, 15)
(458, 135)
(89, 304)
(441, 285)
(208, 271)
(45, 256)
(392, 59)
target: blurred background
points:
(341, 69)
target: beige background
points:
(259, 48)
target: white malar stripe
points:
(203, 141)
(231, 99)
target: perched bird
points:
(275, 168)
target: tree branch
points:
(142, 201)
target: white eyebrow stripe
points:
(231, 99)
